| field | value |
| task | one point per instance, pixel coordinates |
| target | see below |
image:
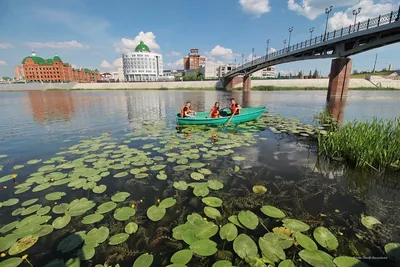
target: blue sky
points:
(94, 33)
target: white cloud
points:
(175, 65)
(126, 45)
(3, 63)
(272, 50)
(117, 63)
(105, 65)
(174, 54)
(5, 45)
(74, 66)
(311, 9)
(250, 57)
(67, 45)
(222, 52)
(368, 10)
(255, 7)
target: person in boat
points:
(214, 113)
(235, 107)
(186, 112)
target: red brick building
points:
(37, 69)
(193, 61)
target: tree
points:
(300, 75)
(310, 75)
(315, 74)
(355, 71)
(279, 75)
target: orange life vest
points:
(234, 109)
(183, 111)
(214, 112)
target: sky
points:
(93, 34)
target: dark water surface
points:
(124, 127)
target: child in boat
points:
(214, 113)
(235, 107)
(186, 112)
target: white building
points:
(142, 64)
(209, 72)
(223, 69)
(269, 72)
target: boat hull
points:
(247, 114)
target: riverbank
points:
(257, 85)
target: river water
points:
(40, 124)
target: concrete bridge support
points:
(230, 83)
(246, 83)
(339, 78)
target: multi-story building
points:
(19, 72)
(223, 69)
(142, 64)
(37, 69)
(193, 61)
(209, 72)
(268, 72)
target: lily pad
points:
(131, 228)
(223, 263)
(212, 213)
(31, 209)
(44, 210)
(7, 241)
(44, 230)
(123, 214)
(141, 175)
(181, 185)
(296, 225)
(8, 227)
(201, 190)
(215, 184)
(144, 260)
(248, 219)
(120, 196)
(305, 241)
(393, 250)
(41, 187)
(29, 202)
(259, 189)
(17, 167)
(99, 189)
(205, 171)
(60, 209)
(75, 262)
(271, 249)
(206, 230)
(273, 212)
(10, 202)
(86, 252)
(286, 263)
(17, 211)
(106, 207)
(229, 232)
(162, 176)
(6, 178)
(61, 222)
(155, 213)
(212, 201)
(317, 258)
(238, 158)
(204, 247)
(34, 161)
(11, 262)
(325, 238)
(118, 239)
(245, 247)
(121, 174)
(182, 256)
(196, 176)
(344, 261)
(167, 203)
(157, 167)
(369, 221)
(23, 244)
(92, 218)
(55, 196)
(284, 241)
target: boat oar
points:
(227, 123)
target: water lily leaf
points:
(182, 256)
(121, 174)
(280, 239)
(305, 241)
(120, 196)
(11, 262)
(273, 212)
(8, 227)
(131, 228)
(31, 209)
(205, 171)
(295, 225)
(157, 167)
(248, 219)
(178, 231)
(41, 187)
(75, 262)
(180, 168)
(244, 246)
(55, 196)
(238, 158)
(155, 213)
(369, 221)
(197, 165)
(393, 250)
(92, 218)
(196, 176)
(135, 171)
(204, 247)
(317, 258)
(17, 167)
(80, 206)
(61, 222)
(7, 241)
(23, 244)
(215, 184)
(86, 252)
(44, 210)
(206, 230)
(106, 207)
(44, 230)
(34, 161)
(201, 190)
(60, 209)
(123, 214)
(99, 189)
(212, 201)
(144, 260)
(141, 175)
(259, 189)
(344, 261)
(10, 202)
(162, 176)
(22, 190)
(286, 263)
(229, 232)
(223, 263)
(181, 185)
(167, 203)
(234, 219)
(6, 178)
(118, 239)
(189, 236)
(271, 249)
(236, 169)
(325, 238)
(212, 213)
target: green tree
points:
(310, 75)
(315, 74)
(279, 75)
(300, 75)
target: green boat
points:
(246, 114)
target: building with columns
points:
(142, 64)
(268, 72)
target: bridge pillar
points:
(339, 78)
(246, 83)
(230, 83)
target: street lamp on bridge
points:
(311, 31)
(266, 52)
(355, 13)
(290, 36)
(327, 11)
(252, 55)
(284, 44)
(242, 58)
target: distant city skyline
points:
(93, 35)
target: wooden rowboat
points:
(246, 114)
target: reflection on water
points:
(39, 124)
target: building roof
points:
(142, 47)
(37, 60)
(57, 58)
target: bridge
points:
(339, 44)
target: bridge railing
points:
(360, 26)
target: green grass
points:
(363, 75)
(374, 144)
